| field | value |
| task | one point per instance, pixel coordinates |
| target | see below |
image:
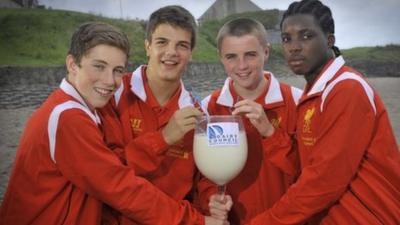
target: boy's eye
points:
(184, 46)
(285, 39)
(99, 66)
(251, 54)
(119, 71)
(307, 36)
(160, 42)
(229, 56)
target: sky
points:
(357, 22)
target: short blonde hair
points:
(240, 27)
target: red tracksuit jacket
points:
(64, 173)
(262, 182)
(349, 156)
(170, 168)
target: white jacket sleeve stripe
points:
(368, 90)
(53, 122)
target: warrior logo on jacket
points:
(135, 124)
(276, 122)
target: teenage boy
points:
(256, 95)
(156, 112)
(350, 160)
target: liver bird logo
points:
(307, 120)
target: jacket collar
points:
(137, 88)
(70, 90)
(273, 95)
(326, 76)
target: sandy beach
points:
(17, 103)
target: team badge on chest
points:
(307, 120)
(307, 136)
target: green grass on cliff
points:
(39, 37)
(388, 53)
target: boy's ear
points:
(331, 40)
(147, 47)
(71, 65)
(267, 51)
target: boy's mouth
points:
(105, 92)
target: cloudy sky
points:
(358, 22)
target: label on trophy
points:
(223, 134)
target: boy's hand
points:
(255, 113)
(219, 206)
(212, 221)
(180, 123)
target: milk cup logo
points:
(223, 134)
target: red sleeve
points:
(281, 148)
(282, 152)
(346, 127)
(112, 130)
(146, 152)
(84, 159)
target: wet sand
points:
(17, 104)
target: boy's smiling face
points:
(169, 52)
(243, 59)
(98, 75)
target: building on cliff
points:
(223, 8)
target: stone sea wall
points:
(28, 86)
(52, 75)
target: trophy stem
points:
(221, 191)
